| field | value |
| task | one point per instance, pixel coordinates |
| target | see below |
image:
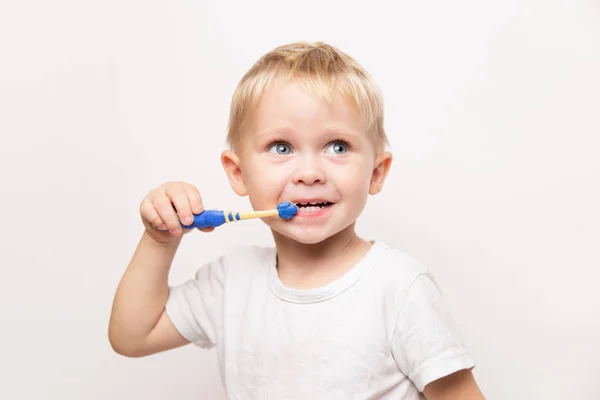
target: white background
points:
(493, 111)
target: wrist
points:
(150, 239)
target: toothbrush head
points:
(287, 210)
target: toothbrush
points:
(214, 218)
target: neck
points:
(302, 265)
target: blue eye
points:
(337, 148)
(280, 148)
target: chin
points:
(306, 239)
(306, 235)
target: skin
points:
(300, 148)
(297, 148)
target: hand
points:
(165, 208)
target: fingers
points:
(167, 213)
(195, 199)
(170, 206)
(150, 215)
(178, 196)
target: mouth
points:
(312, 206)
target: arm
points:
(138, 324)
(460, 385)
(429, 348)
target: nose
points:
(309, 171)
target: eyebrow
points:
(342, 131)
(330, 131)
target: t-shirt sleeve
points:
(427, 344)
(195, 307)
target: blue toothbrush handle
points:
(206, 219)
(214, 218)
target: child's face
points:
(301, 149)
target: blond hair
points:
(325, 69)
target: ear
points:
(383, 163)
(233, 169)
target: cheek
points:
(356, 190)
(354, 180)
(263, 179)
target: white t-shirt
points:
(381, 331)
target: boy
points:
(324, 314)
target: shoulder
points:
(394, 276)
(395, 266)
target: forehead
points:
(298, 104)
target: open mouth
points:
(313, 207)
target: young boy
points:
(324, 314)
